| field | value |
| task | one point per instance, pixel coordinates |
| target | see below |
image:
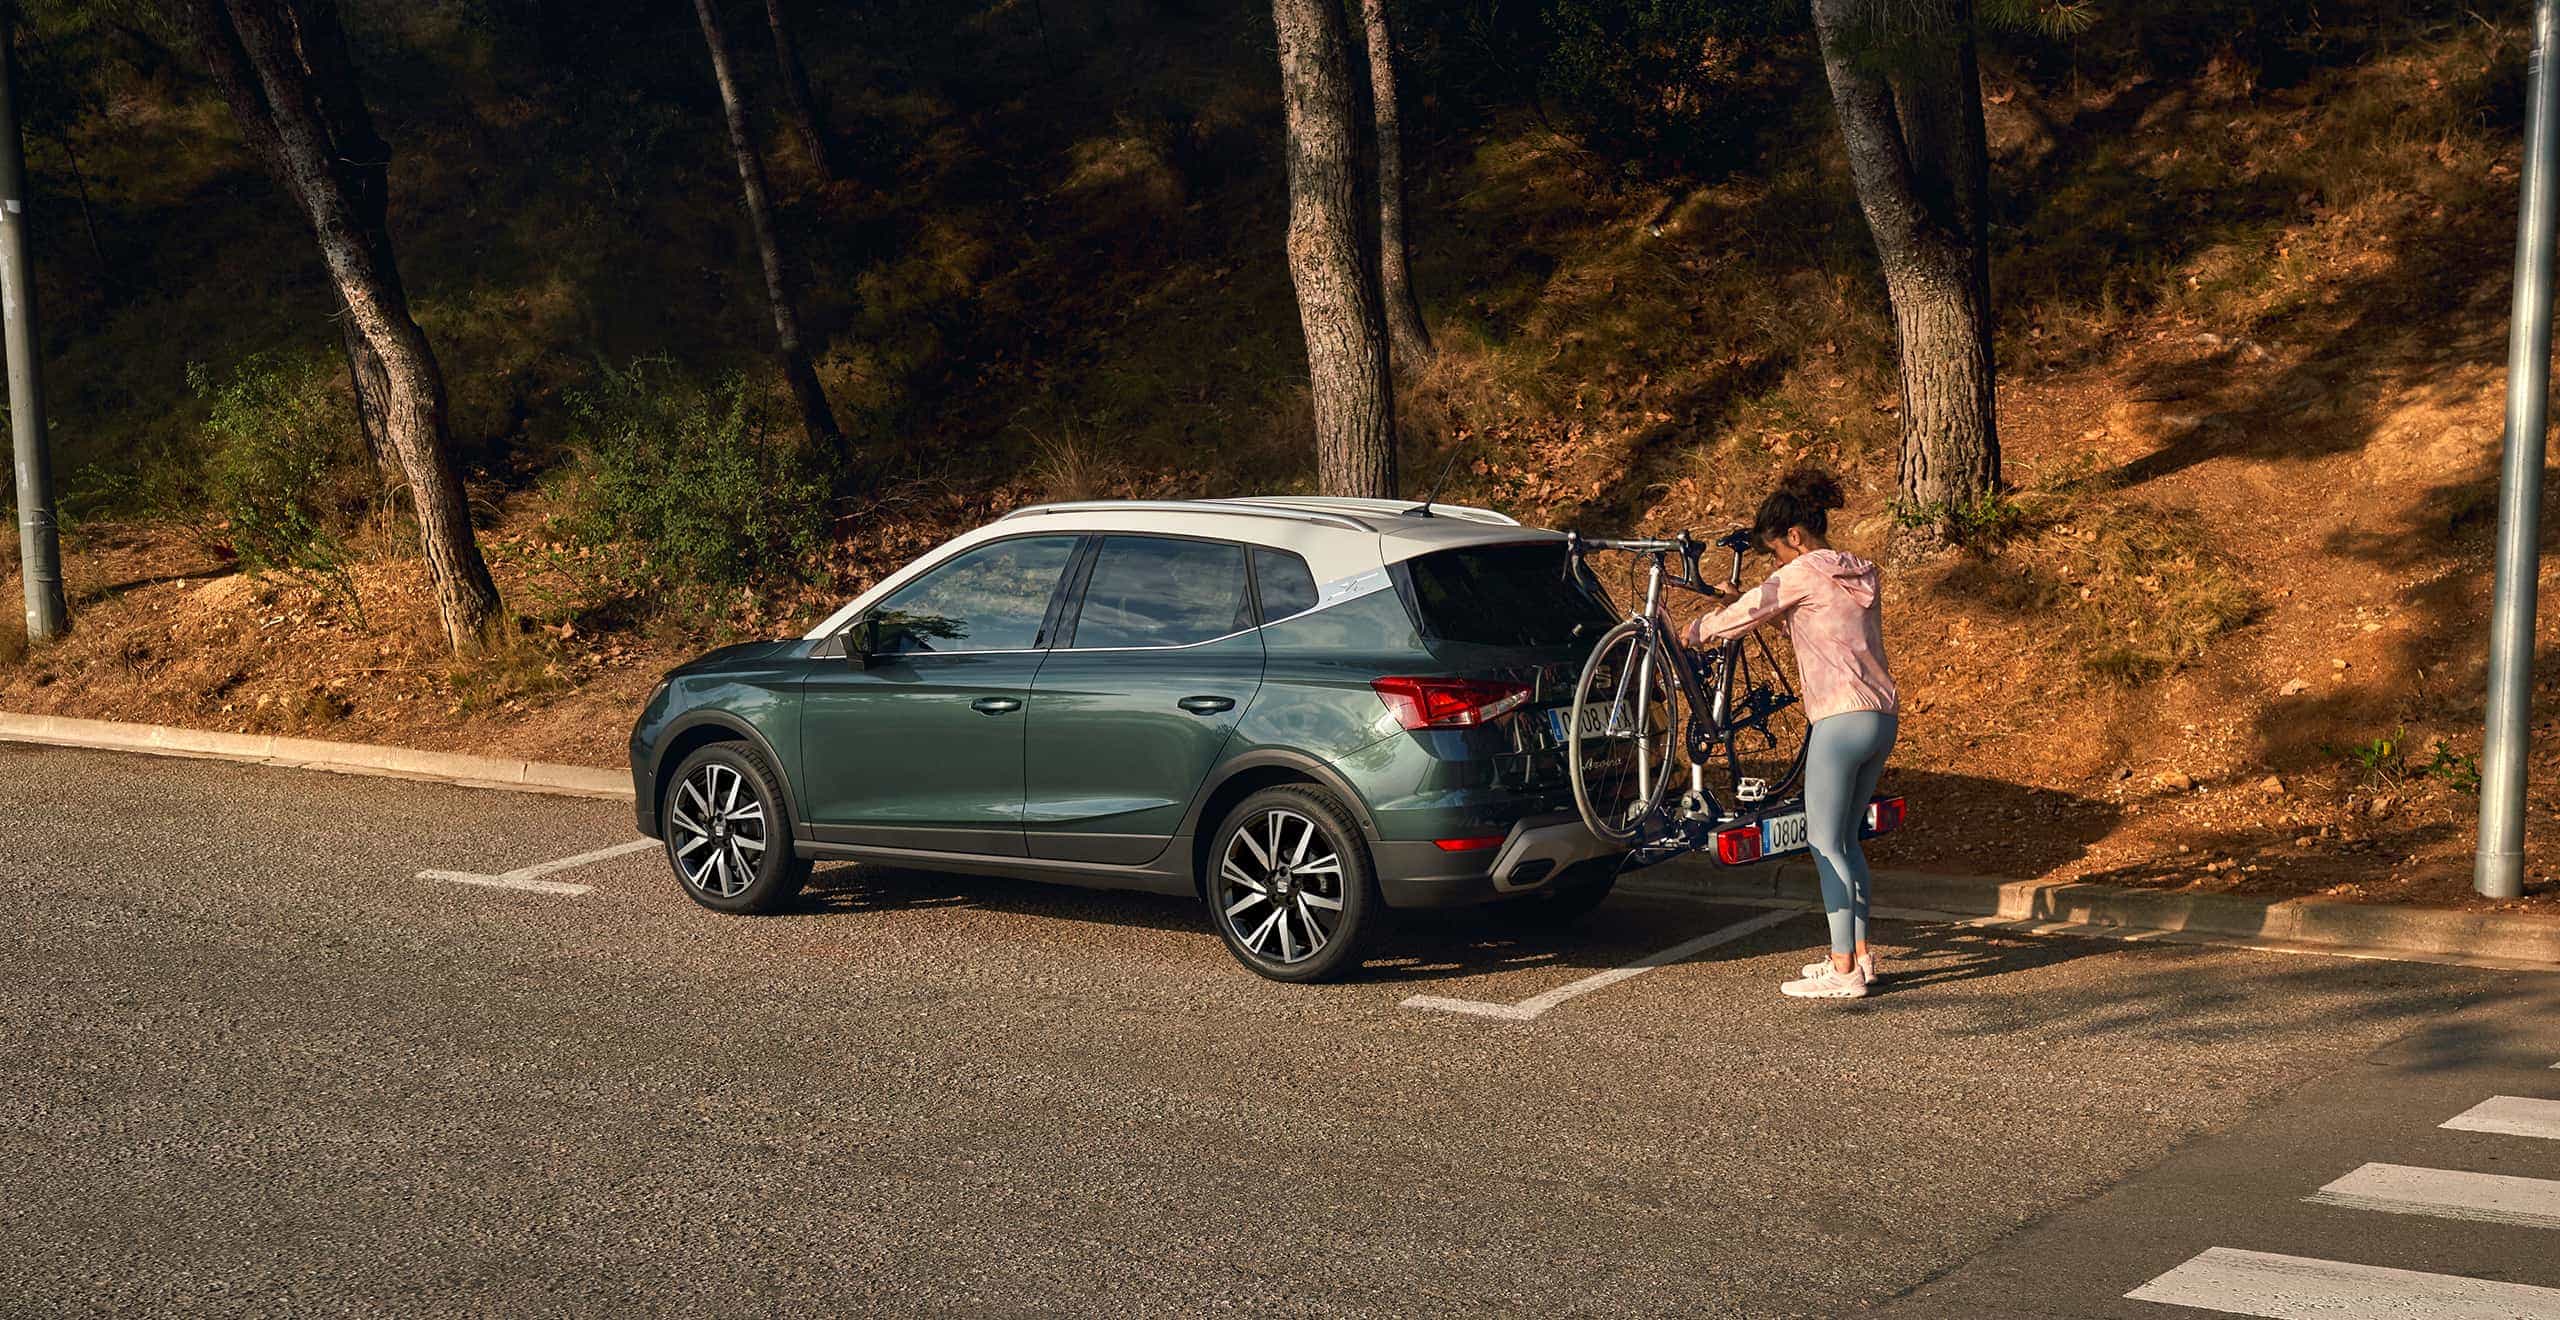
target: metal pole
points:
(39, 545)
(2498, 870)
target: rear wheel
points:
(726, 832)
(1290, 886)
(1619, 745)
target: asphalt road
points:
(250, 1063)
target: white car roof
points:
(1345, 541)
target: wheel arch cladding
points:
(1249, 780)
(702, 732)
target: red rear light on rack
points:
(1448, 703)
(1738, 846)
(1884, 815)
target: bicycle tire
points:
(1777, 741)
(1653, 672)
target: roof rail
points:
(1376, 508)
(1316, 516)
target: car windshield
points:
(1501, 595)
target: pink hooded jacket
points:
(1829, 598)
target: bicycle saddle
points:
(1739, 538)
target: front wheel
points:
(1618, 747)
(726, 834)
(1291, 886)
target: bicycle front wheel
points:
(1619, 745)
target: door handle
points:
(996, 705)
(1206, 705)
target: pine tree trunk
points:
(1337, 295)
(795, 92)
(285, 67)
(1916, 154)
(1405, 334)
(369, 386)
(817, 419)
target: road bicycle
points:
(1646, 706)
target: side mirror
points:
(862, 642)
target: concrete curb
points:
(312, 754)
(2302, 923)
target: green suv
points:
(1301, 711)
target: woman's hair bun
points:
(1814, 487)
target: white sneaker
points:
(1866, 967)
(1828, 983)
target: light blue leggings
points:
(1843, 757)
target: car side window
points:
(992, 598)
(1147, 591)
(1286, 585)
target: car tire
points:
(1298, 842)
(1571, 896)
(724, 803)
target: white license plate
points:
(1782, 834)
(1595, 723)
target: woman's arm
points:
(1748, 611)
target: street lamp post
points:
(2498, 869)
(39, 543)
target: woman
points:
(1828, 598)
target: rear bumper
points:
(1418, 874)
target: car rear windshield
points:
(1501, 595)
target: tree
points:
(1336, 285)
(1904, 82)
(795, 92)
(1405, 333)
(285, 68)
(817, 420)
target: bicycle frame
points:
(1701, 732)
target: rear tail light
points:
(1738, 846)
(1884, 815)
(1472, 844)
(1448, 703)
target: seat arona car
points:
(1300, 711)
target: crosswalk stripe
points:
(2277, 1287)
(2512, 1115)
(2492, 1198)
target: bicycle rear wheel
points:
(1619, 745)
(1759, 726)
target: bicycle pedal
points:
(1750, 790)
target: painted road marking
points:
(1530, 1008)
(2512, 1115)
(530, 877)
(2490, 1198)
(2298, 1288)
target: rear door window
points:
(1501, 595)
(1153, 591)
(1284, 583)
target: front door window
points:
(992, 598)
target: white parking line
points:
(2512, 1115)
(1534, 1005)
(2489, 1198)
(530, 877)
(2262, 1283)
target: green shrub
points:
(2384, 763)
(284, 463)
(696, 481)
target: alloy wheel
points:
(1280, 887)
(720, 830)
